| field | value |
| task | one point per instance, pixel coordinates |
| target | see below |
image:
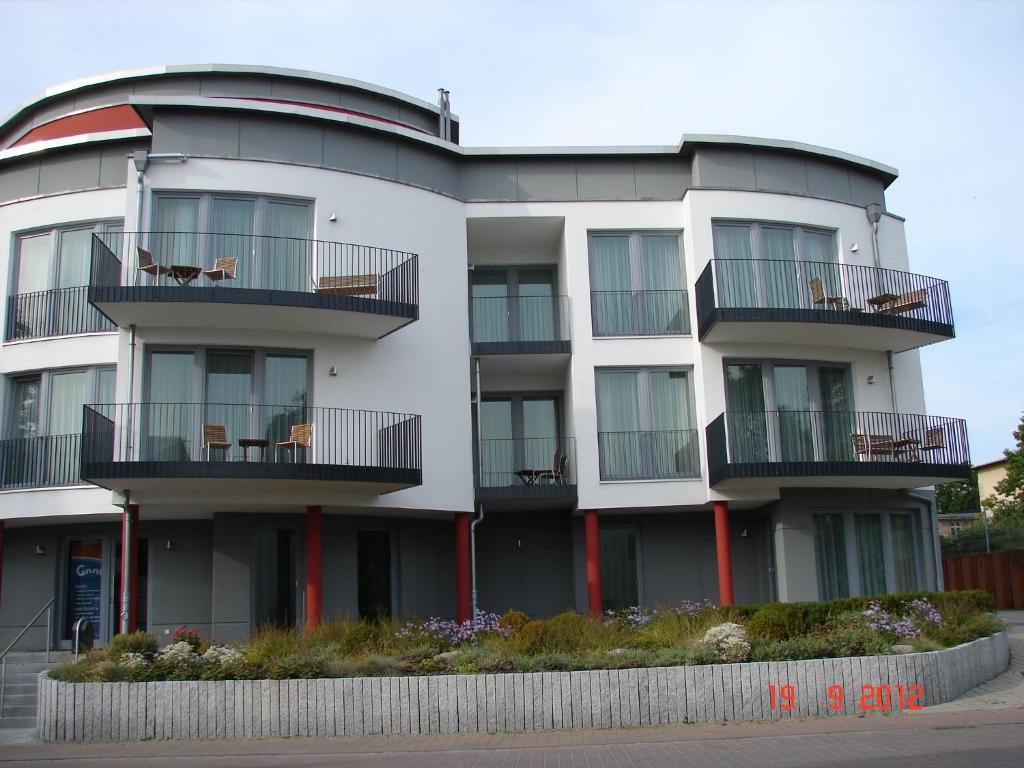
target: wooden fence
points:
(1001, 573)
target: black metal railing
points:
(652, 455)
(794, 285)
(40, 462)
(640, 313)
(263, 434)
(531, 461)
(519, 319)
(806, 438)
(261, 262)
(58, 312)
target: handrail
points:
(48, 609)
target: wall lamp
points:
(142, 158)
(40, 549)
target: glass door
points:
(228, 403)
(837, 420)
(491, 315)
(498, 460)
(795, 438)
(819, 261)
(174, 239)
(620, 587)
(88, 590)
(68, 393)
(533, 309)
(540, 433)
(662, 309)
(737, 285)
(671, 448)
(170, 428)
(23, 459)
(285, 384)
(233, 222)
(373, 574)
(33, 277)
(286, 251)
(611, 285)
(619, 425)
(274, 578)
(747, 420)
(780, 278)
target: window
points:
(954, 527)
(788, 411)
(772, 265)
(870, 554)
(50, 283)
(645, 424)
(636, 285)
(43, 424)
(514, 305)
(901, 528)
(268, 236)
(830, 554)
(252, 393)
(620, 584)
(519, 432)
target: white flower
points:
(134, 660)
(178, 653)
(728, 642)
(221, 655)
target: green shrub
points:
(513, 620)
(137, 642)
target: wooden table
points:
(881, 300)
(531, 476)
(184, 274)
(254, 442)
(908, 446)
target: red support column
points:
(724, 552)
(130, 564)
(463, 605)
(593, 543)
(314, 566)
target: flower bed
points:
(691, 634)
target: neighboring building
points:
(990, 474)
(950, 525)
(285, 333)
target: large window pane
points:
(618, 424)
(736, 287)
(838, 421)
(173, 240)
(106, 385)
(619, 585)
(830, 554)
(672, 443)
(611, 284)
(540, 432)
(23, 419)
(904, 562)
(498, 460)
(796, 437)
(229, 393)
(535, 305)
(490, 306)
(870, 554)
(663, 309)
(233, 222)
(33, 276)
(286, 254)
(285, 390)
(169, 422)
(820, 252)
(74, 258)
(781, 282)
(748, 432)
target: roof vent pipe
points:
(444, 117)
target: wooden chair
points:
(906, 302)
(215, 436)
(223, 269)
(147, 265)
(301, 436)
(934, 439)
(868, 446)
(348, 285)
(819, 298)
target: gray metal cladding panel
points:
(287, 140)
(111, 94)
(308, 93)
(865, 189)
(825, 179)
(663, 178)
(428, 169)
(196, 133)
(601, 179)
(71, 170)
(350, 149)
(422, 119)
(487, 179)
(370, 103)
(725, 168)
(779, 172)
(19, 180)
(546, 180)
(114, 164)
(168, 85)
(235, 85)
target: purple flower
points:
(452, 632)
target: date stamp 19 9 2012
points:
(873, 698)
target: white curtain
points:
(618, 422)
(664, 311)
(905, 566)
(285, 395)
(673, 448)
(490, 305)
(233, 222)
(792, 401)
(287, 250)
(748, 432)
(778, 267)
(611, 286)
(173, 240)
(869, 553)
(830, 555)
(735, 269)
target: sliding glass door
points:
(793, 402)
(745, 400)
(170, 421)
(518, 432)
(498, 459)
(516, 304)
(285, 256)
(234, 223)
(229, 380)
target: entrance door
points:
(274, 579)
(620, 587)
(89, 589)
(373, 573)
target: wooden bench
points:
(348, 285)
(906, 302)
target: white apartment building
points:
(278, 348)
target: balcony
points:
(640, 313)
(207, 280)
(527, 469)
(60, 312)
(47, 461)
(820, 303)
(755, 450)
(520, 325)
(668, 454)
(144, 445)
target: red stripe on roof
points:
(99, 120)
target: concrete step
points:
(19, 698)
(13, 689)
(17, 722)
(20, 710)
(22, 678)
(56, 657)
(28, 666)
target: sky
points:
(935, 89)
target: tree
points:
(958, 497)
(1010, 489)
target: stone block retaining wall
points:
(496, 703)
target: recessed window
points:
(520, 434)
(515, 304)
(830, 556)
(637, 285)
(645, 424)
